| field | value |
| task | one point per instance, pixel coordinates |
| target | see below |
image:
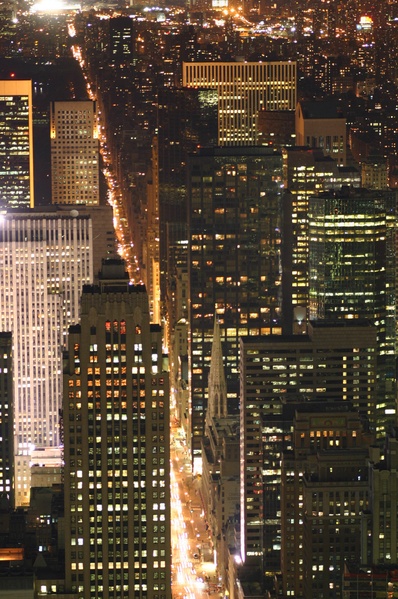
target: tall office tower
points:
(233, 213)
(46, 255)
(121, 41)
(321, 125)
(334, 361)
(306, 171)
(244, 88)
(6, 419)
(353, 274)
(117, 453)
(380, 522)
(16, 145)
(74, 153)
(324, 494)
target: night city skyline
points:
(198, 299)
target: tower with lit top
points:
(116, 410)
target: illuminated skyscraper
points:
(306, 171)
(233, 213)
(74, 153)
(46, 256)
(352, 259)
(16, 144)
(244, 88)
(116, 413)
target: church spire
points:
(217, 404)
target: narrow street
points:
(193, 577)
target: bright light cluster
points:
(53, 6)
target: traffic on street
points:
(193, 573)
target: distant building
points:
(375, 173)
(276, 128)
(319, 124)
(117, 456)
(46, 467)
(46, 256)
(74, 153)
(16, 146)
(244, 88)
(121, 41)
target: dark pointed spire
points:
(217, 404)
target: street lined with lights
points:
(187, 529)
(123, 234)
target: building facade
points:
(319, 124)
(352, 258)
(244, 88)
(74, 153)
(380, 530)
(233, 214)
(6, 419)
(16, 146)
(306, 172)
(117, 446)
(121, 41)
(46, 256)
(324, 492)
(331, 362)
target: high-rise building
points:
(352, 258)
(244, 88)
(324, 493)
(6, 419)
(46, 256)
(233, 214)
(16, 144)
(121, 41)
(306, 171)
(74, 153)
(116, 410)
(333, 361)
